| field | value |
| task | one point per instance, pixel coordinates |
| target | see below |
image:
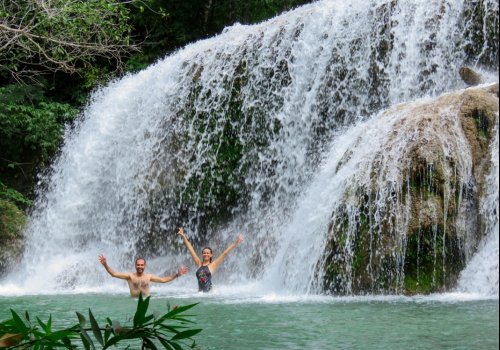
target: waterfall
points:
(481, 275)
(249, 131)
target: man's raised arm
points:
(112, 272)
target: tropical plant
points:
(169, 331)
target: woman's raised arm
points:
(195, 257)
(213, 265)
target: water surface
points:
(447, 321)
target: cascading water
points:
(227, 134)
(481, 275)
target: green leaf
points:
(95, 328)
(113, 341)
(142, 308)
(43, 325)
(174, 312)
(85, 342)
(149, 344)
(147, 319)
(182, 319)
(166, 344)
(107, 333)
(67, 343)
(85, 335)
(47, 327)
(62, 334)
(49, 324)
(150, 333)
(18, 322)
(186, 334)
(176, 346)
(173, 329)
(118, 338)
(81, 319)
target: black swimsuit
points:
(204, 279)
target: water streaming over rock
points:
(251, 131)
(481, 274)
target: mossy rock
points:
(12, 221)
(413, 239)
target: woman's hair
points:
(210, 251)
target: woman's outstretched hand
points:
(239, 239)
(181, 232)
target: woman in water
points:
(206, 266)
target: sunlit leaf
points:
(81, 319)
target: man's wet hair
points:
(139, 258)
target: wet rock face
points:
(413, 231)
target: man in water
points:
(139, 281)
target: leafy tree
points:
(43, 36)
(166, 25)
(168, 331)
(31, 129)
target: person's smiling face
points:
(207, 255)
(140, 265)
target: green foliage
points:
(168, 331)
(31, 126)
(13, 196)
(169, 25)
(12, 220)
(31, 130)
(69, 36)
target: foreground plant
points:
(168, 331)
